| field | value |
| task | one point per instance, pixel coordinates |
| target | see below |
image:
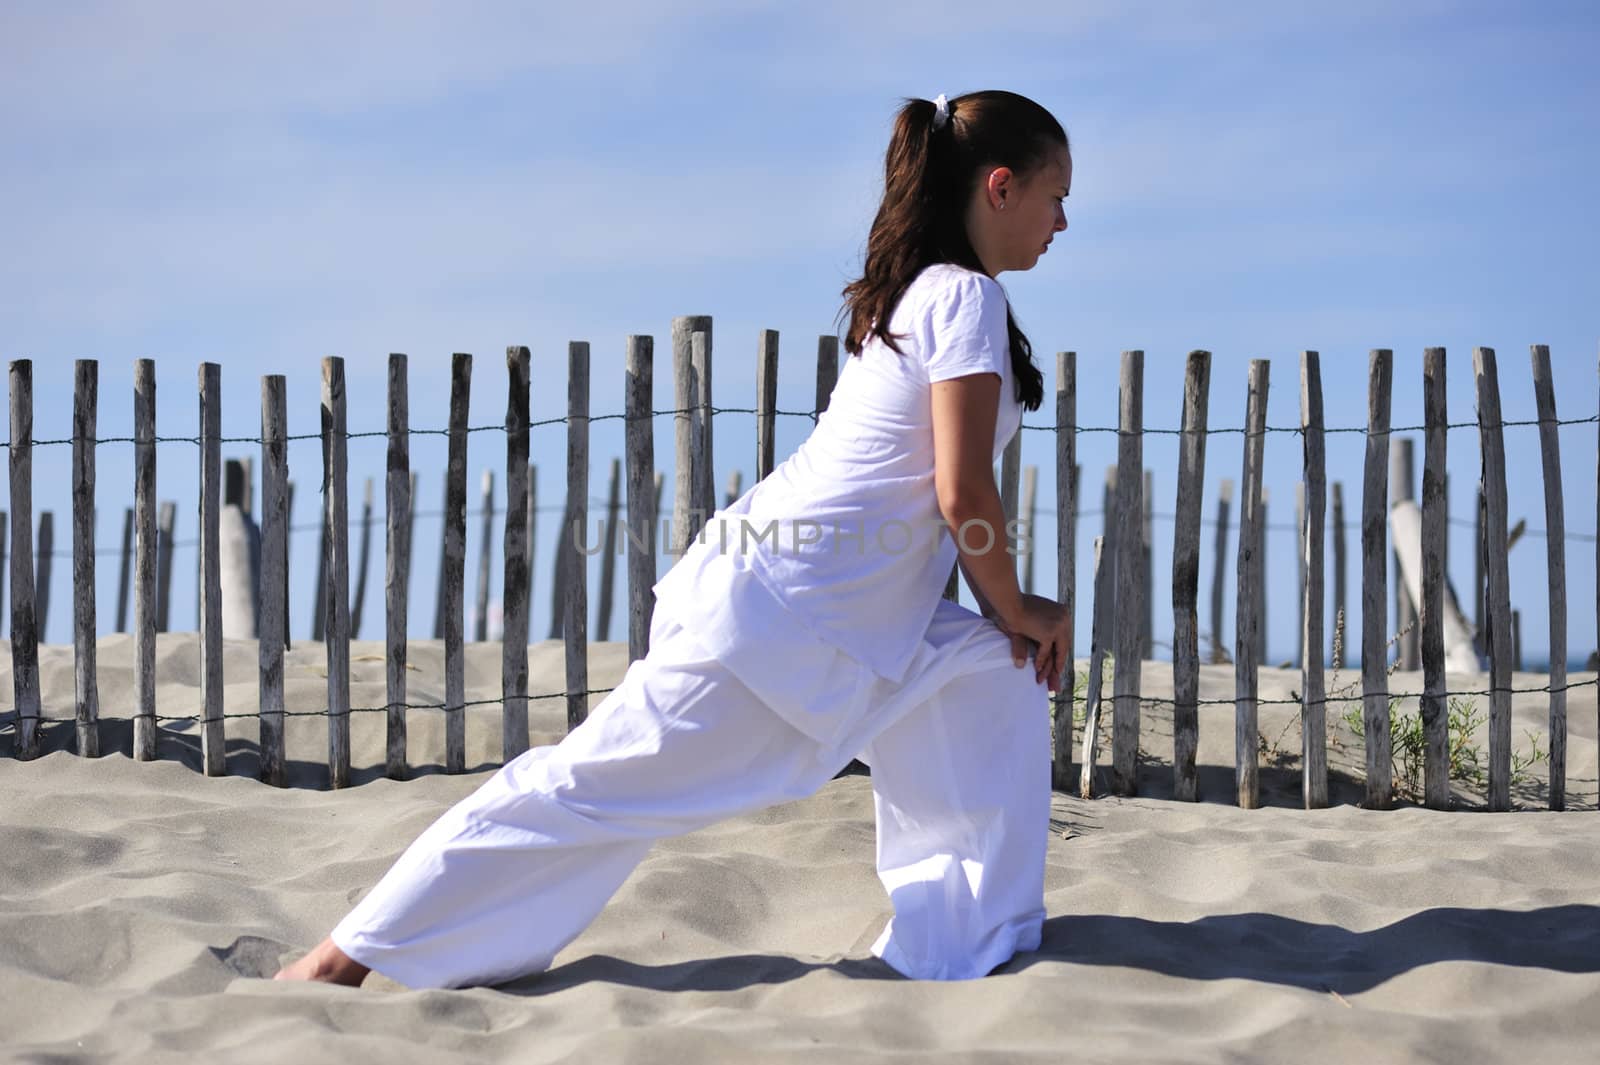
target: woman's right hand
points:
(1049, 625)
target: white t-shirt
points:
(846, 534)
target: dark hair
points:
(928, 178)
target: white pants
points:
(512, 873)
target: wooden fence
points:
(1123, 591)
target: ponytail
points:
(928, 178)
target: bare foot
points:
(328, 964)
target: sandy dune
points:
(142, 905)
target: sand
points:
(144, 906)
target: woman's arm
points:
(964, 411)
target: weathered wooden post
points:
(766, 404)
(1374, 576)
(453, 571)
(608, 553)
(1106, 604)
(1130, 571)
(514, 589)
(319, 615)
(42, 568)
(655, 510)
(1261, 572)
(1336, 509)
(144, 566)
(1102, 581)
(211, 734)
(1555, 524)
(1219, 568)
(1480, 576)
(692, 389)
(827, 371)
(1430, 612)
(125, 572)
(575, 604)
(1498, 581)
(441, 594)
(1147, 573)
(480, 612)
(24, 635)
(1066, 551)
(1444, 545)
(166, 527)
(1300, 574)
(1246, 755)
(399, 504)
(1186, 577)
(705, 497)
(86, 690)
(357, 607)
(336, 566)
(1313, 683)
(274, 560)
(288, 523)
(533, 528)
(642, 492)
(685, 388)
(1402, 463)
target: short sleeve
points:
(967, 331)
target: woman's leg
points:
(512, 873)
(961, 789)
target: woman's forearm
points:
(978, 525)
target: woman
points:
(805, 626)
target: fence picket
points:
(1555, 528)
(1313, 685)
(1129, 578)
(1246, 756)
(514, 587)
(452, 576)
(1062, 709)
(1374, 576)
(643, 492)
(336, 592)
(1186, 577)
(212, 749)
(399, 503)
(1430, 612)
(24, 634)
(575, 601)
(85, 682)
(274, 559)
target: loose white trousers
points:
(512, 873)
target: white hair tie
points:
(941, 112)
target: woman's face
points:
(1013, 238)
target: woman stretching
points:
(806, 626)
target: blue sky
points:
(261, 186)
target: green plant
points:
(1407, 738)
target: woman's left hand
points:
(1024, 650)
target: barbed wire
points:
(1296, 699)
(814, 415)
(595, 502)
